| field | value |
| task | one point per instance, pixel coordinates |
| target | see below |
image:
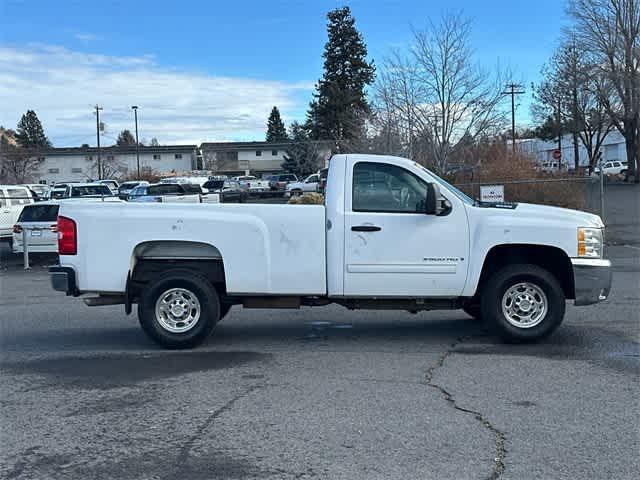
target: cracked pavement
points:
(318, 393)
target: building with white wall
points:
(256, 158)
(81, 164)
(613, 148)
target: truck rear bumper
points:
(591, 279)
(63, 279)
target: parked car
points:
(87, 190)
(280, 181)
(229, 190)
(251, 184)
(612, 168)
(391, 235)
(40, 222)
(56, 193)
(125, 188)
(40, 190)
(309, 184)
(12, 200)
(171, 193)
(112, 184)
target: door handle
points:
(365, 228)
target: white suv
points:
(12, 199)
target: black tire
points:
(509, 276)
(195, 284)
(296, 193)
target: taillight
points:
(17, 229)
(67, 236)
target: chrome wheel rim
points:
(524, 305)
(178, 310)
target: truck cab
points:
(391, 235)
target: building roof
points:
(220, 146)
(122, 149)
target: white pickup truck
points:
(391, 235)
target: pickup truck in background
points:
(391, 235)
(251, 184)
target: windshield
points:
(443, 183)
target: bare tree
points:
(439, 95)
(610, 31)
(573, 91)
(110, 165)
(18, 164)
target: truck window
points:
(381, 187)
(19, 196)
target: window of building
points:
(258, 153)
(76, 170)
(41, 159)
(156, 156)
(274, 152)
(380, 187)
(54, 170)
(109, 157)
(177, 156)
(88, 158)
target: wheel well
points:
(552, 259)
(151, 259)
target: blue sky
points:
(211, 70)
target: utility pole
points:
(135, 112)
(98, 108)
(513, 89)
(559, 121)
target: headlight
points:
(590, 242)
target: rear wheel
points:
(523, 303)
(179, 310)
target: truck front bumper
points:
(63, 279)
(591, 279)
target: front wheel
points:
(523, 303)
(179, 310)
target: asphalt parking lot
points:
(322, 392)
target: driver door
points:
(394, 249)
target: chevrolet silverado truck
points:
(391, 235)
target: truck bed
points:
(266, 249)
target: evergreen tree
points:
(30, 133)
(302, 156)
(276, 131)
(125, 137)
(339, 107)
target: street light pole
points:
(98, 108)
(135, 112)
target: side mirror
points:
(433, 204)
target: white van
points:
(12, 199)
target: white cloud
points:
(176, 106)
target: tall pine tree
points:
(340, 105)
(125, 137)
(276, 131)
(30, 133)
(302, 156)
